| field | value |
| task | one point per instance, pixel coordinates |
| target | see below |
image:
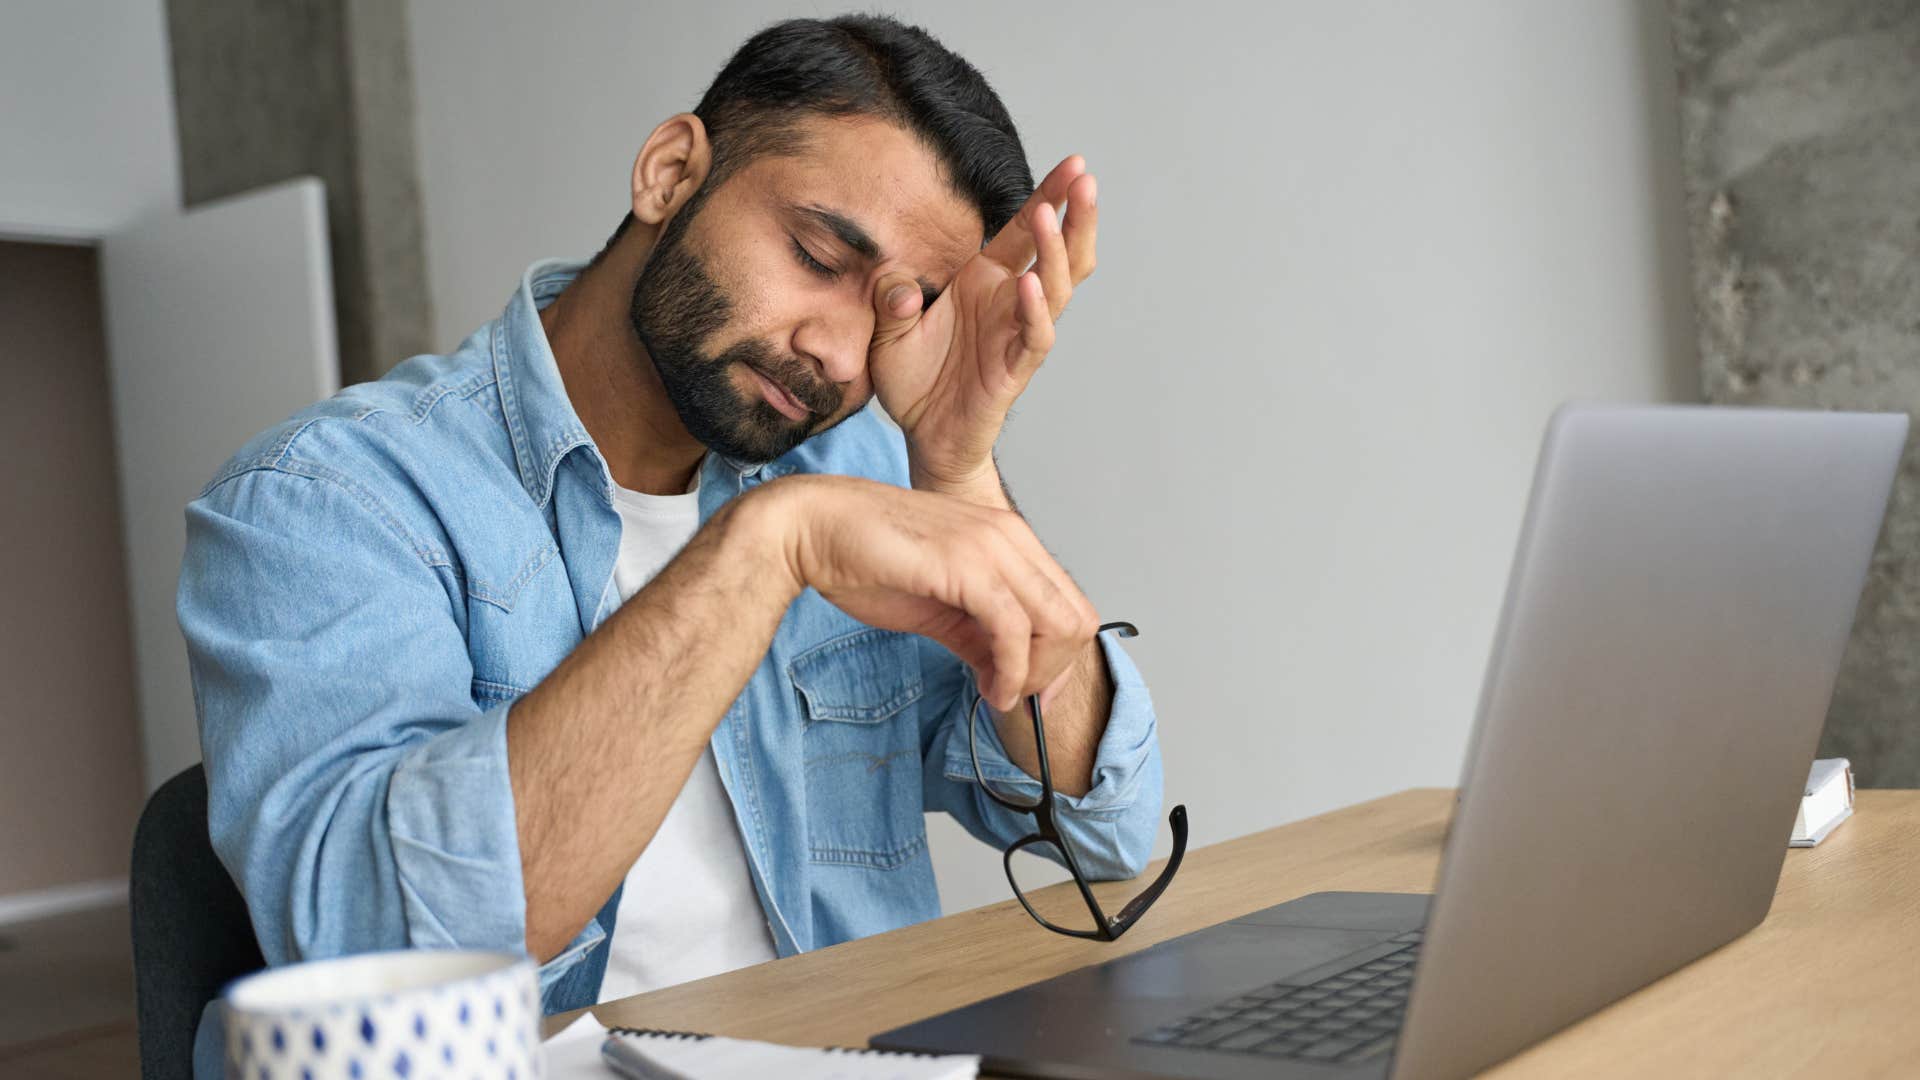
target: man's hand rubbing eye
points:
(949, 374)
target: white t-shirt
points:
(689, 909)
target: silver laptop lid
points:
(1684, 587)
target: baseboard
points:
(61, 900)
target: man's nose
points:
(836, 342)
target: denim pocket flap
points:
(861, 678)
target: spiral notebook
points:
(678, 1055)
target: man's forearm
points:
(1077, 712)
(1076, 718)
(601, 748)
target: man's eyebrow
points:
(849, 232)
(844, 228)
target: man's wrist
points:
(759, 528)
(981, 485)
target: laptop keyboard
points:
(1348, 1016)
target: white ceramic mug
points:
(411, 1014)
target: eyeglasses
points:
(1026, 870)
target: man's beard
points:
(676, 307)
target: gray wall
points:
(1351, 256)
(85, 88)
(1802, 155)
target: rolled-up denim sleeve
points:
(357, 794)
(1112, 826)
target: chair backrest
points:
(191, 933)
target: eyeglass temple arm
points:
(1139, 904)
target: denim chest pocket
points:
(861, 748)
(521, 622)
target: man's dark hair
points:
(864, 65)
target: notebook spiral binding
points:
(862, 1051)
(657, 1033)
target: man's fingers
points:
(1012, 247)
(1083, 223)
(1033, 338)
(1074, 617)
(1005, 619)
(1059, 616)
(969, 641)
(1030, 612)
(1051, 260)
(1029, 544)
(976, 580)
(1057, 641)
(896, 307)
(976, 558)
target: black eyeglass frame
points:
(1046, 830)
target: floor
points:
(66, 998)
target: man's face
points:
(756, 304)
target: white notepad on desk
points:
(588, 1051)
(678, 1055)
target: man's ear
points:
(670, 167)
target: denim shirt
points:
(370, 586)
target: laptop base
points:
(1080, 1025)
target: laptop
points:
(1684, 586)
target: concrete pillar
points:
(1800, 121)
(268, 91)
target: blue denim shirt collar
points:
(540, 417)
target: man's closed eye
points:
(812, 264)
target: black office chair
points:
(191, 933)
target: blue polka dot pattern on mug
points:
(409, 1015)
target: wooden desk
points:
(1829, 985)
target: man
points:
(628, 634)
